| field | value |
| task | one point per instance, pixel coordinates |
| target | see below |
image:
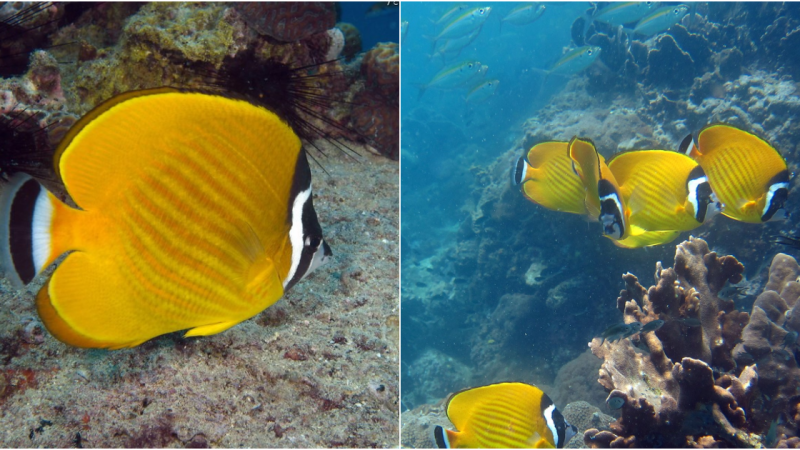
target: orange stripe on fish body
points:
(504, 415)
(747, 174)
(195, 213)
(603, 199)
(664, 190)
(546, 177)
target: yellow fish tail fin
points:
(27, 243)
(520, 172)
(689, 147)
(444, 438)
(71, 289)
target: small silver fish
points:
(523, 15)
(575, 60)
(620, 13)
(451, 48)
(454, 76)
(482, 91)
(653, 325)
(403, 31)
(731, 291)
(466, 23)
(633, 328)
(451, 13)
(660, 20)
(620, 331)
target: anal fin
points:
(214, 328)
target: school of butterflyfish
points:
(648, 197)
(191, 212)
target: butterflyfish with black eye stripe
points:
(504, 415)
(194, 212)
(603, 199)
(747, 174)
(545, 177)
(664, 190)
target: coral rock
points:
(381, 67)
(288, 21)
(352, 40)
(687, 403)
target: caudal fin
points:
(26, 211)
(440, 437)
(519, 170)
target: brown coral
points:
(671, 398)
(381, 67)
(352, 40)
(288, 21)
(375, 114)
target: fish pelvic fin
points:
(34, 229)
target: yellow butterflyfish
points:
(194, 212)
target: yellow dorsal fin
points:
(540, 153)
(87, 118)
(587, 164)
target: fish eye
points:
(589, 52)
(313, 241)
(481, 11)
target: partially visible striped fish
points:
(620, 13)
(454, 76)
(575, 60)
(466, 23)
(660, 20)
(483, 91)
(195, 213)
(525, 14)
(504, 415)
(747, 174)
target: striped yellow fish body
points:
(194, 213)
(504, 415)
(747, 174)
(664, 190)
(602, 194)
(545, 177)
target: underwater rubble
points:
(720, 380)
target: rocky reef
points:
(712, 375)
(122, 47)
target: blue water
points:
(374, 28)
(497, 288)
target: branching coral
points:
(711, 375)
